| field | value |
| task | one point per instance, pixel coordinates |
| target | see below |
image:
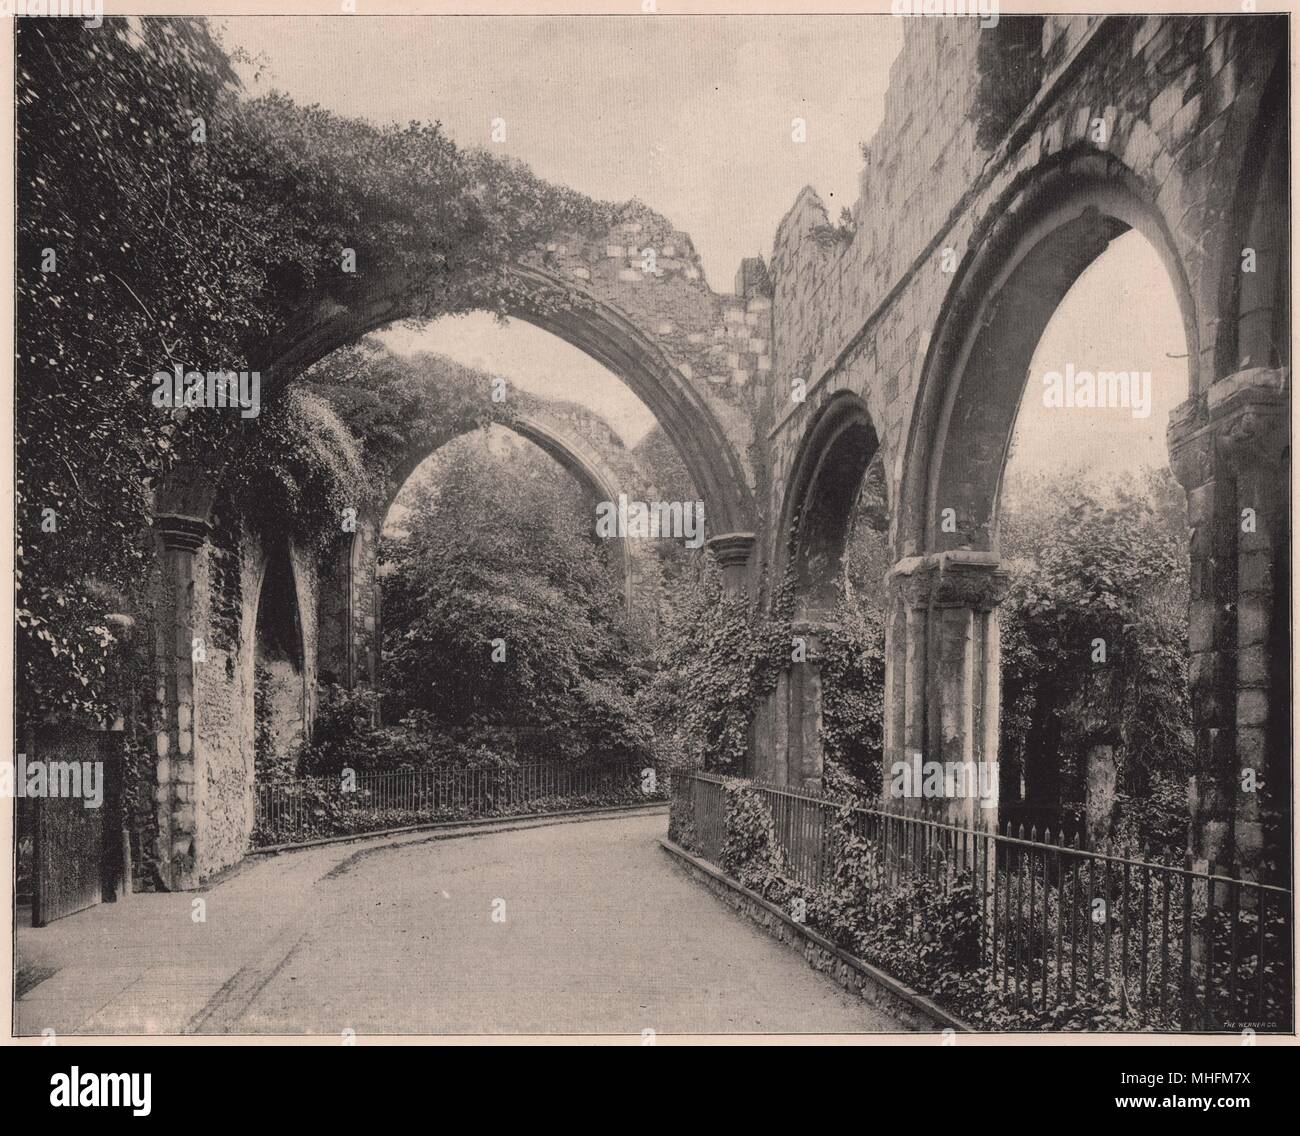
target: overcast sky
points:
(692, 115)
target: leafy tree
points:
(500, 548)
(1091, 577)
(715, 657)
(131, 254)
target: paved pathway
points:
(595, 931)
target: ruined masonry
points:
(1006, 161)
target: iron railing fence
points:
(310, 807)
(1055, 924)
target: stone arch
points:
(817, 512)
(594, 472)
(1039, 239)
(280, 652)
(942, 656)
(589, 323)
(815, 524)
(349, 597)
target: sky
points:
(692, 115)
(1121, 315)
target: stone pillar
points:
(804, 714)
(780, 759)
(733, 552)
(770, 743)
(1101, 777)
(178, 772)
(942, 663)
(1230, 452)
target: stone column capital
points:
(182, 532)
(958, 578)
(912, 579)
(970, 579)
(731, 550)
(1191, 444)
(1250, 415)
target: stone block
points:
(1185, 120)
(1252, 708)
(1167, 103)
(1252, 748)
(1255, 572)
(1252, 621)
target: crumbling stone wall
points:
(1151, 122)
(206, 614)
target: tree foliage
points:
(1094, 636)
(165, 218)
(499, 560)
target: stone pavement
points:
(595, 931)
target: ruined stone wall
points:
(1149, 122)
(228, 572)
(720, 343)
(863, 313)
(921, 161)
(860, 316)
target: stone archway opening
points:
(945, 651)
(831, 558)
(407, 400)
(526, 436)
(488, 548)
(1089, 520)
(280, 703)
